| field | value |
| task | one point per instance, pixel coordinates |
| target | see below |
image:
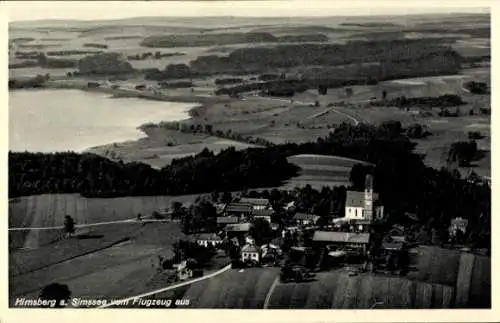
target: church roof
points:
(357, 199)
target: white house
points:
(257, 204)
(305, 219)
(250, 252)
(206, 239)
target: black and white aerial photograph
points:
(248, 155)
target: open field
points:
(280, 120)
(339, 291)
(319, 171)
(161, 146)
(433, 286)
(49, 210)
(123, 253)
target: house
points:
(225, 220)
(363, 205)
(238, 231)
(257, 204)
(305, 219)
(250, 252)
(458, 224)
(239, 209)
(358, 241)
(182, 271)
(263, 214)
(239, 227)
(207, 239)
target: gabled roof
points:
(239, 207)
(262, 212)
(250, 248)
(347, 237)
(392, 245)
(254, 201)
(227, 219)
(240, 227)
(304, 216)
(205, 237)
(355, 199)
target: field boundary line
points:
(87, 224)
(270, 292)
(464, 277)
(161, 290)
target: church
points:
(364, 206)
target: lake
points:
(62, 120)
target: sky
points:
(101, 10)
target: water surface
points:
(62, 120)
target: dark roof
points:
(347, 237)
(240, 227)
(205, 236)
(304, 216)
(262, 212)
(355, 199)
(392, 246)
(254, 201)
(239, 207)
(227, 219)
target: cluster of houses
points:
(350, 234)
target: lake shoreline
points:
(188, 112)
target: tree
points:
(358, 174)
(474, 135)
(462, 152)
(208, 128)
(59, 293)
(69, 225)
(215, 196)
(227, 197)
(261, 231)
(416, 131)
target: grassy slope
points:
(93, 267)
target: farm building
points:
(358, 241)
(239, 209)
(251, 252)
(257, 204)
(305, 219)
(207, 239)
(363, 205)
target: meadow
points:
(124, 255)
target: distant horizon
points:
(26, 11)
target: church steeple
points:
(368, 207)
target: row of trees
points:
(92, 175)
(404, 182)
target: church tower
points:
(368, 207)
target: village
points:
(249, 232)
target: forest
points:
(404, 183)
